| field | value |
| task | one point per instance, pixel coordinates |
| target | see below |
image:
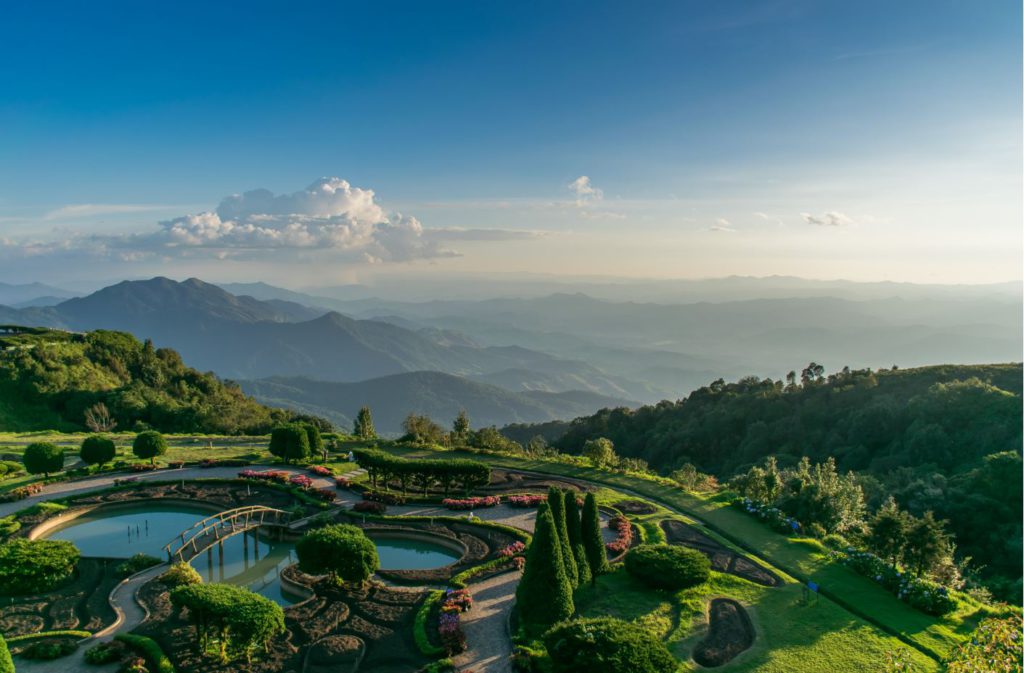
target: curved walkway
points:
(486, 625)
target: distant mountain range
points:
(243, 338)
(440, 396)
(32, 294)
(614, 351)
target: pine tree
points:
(544, 594)
(927, 544)
(363, 427)
(593, 543)
(557, 504)
(572, 522)
(888, 535)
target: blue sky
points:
(864, 140)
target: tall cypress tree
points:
(544, 594)
(572, 522)
(557, 504)
(593, 544)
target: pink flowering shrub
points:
(449, 625)
(471, 503)
(300, 480)
(514, 549)
(321, 471)
(525, 500)
(621, 525)
(277, 476)
(342, 482)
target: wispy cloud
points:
(829, 219)
(768, 218)
(723, 225)
(80, 210)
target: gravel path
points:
(486, 625)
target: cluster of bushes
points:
(46, 650)
(339, 550)
(35, 566)
(624, 535)
(296, 441)
(606, 644)
(153, 658)
(423, 474)
(9, 525)
(104, 653)
(472, 503)
(321, 471)
(383, 497)
(276, 476)
(774, 517)
(668, 567)
(216, 462)
(922, 594)
(230, 621)
(179, 575)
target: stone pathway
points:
(486, 625)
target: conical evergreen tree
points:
(6, 664)
(593, 544)
(544, 594)
(572, 523)
(557, 504)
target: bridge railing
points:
(205, 532)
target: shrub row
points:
(524, 501)
(921, 594)
(422, 473)
(472, 503)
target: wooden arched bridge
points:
(209, 531)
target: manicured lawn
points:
(794, 557)
(791, 636)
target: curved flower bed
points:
(621, 544)
(449, 624)
(471, 503)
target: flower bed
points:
(302, 481)
(449, 624)
(142, 467)
(342, 482)
(472, 503)
(321, 471)
(621, 544)
(277, 476)
(773, 516)
(21, 492)
(369, 507)
(525, 500)
(924, 595)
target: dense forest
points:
(945, 439)
(50, 379)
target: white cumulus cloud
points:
(829, 219)
(585, 191)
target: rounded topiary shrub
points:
(606, 644)
(97, 450)
(149, 444)
(43, 458)
(668, 567)
(33, 566)
(179, 575)
(339, 550)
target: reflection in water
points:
(248, 559)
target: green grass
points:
(862, 596)
(791, 637)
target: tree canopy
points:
(339, 550)
(43, 458)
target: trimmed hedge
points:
(668, 567)
(423, 473)
(606, 644)
(32, 566)
(420, 626)
(50, 634)
(148, 649)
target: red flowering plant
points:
(525, 500)
(300, 480)
(472, 503)
(321, 471)
(624, 540)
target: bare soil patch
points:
(729, 633)
(79, 604)
(722, 558)
(635, 507)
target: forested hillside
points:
(944, 438)
(49, 379)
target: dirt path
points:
(486, 625)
